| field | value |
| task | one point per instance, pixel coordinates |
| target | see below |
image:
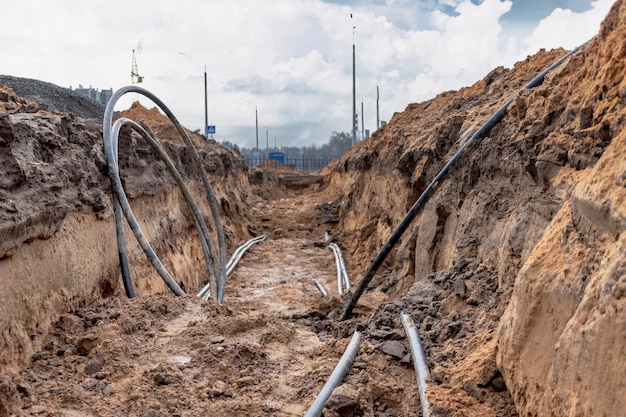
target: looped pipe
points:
(216, 268)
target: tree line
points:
(338, 144)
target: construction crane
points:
(135, 78)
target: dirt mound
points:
(54, 98)
(154, 117)
(43, 170)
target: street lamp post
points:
(377, 113)
(206, 107)
(206, 97)
(355, 123)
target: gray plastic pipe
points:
(321, 288)
(206, 243)
(342, 264)
(339, 274)
(339, 373)
(419, 361)
(111, 151)
(234, 260)
(208, 248)
(205, 292)
(343, 280)
(430, 190)
(130, 217)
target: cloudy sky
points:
(291, 60)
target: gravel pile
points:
(58, 99)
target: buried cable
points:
(121, 249)
(230, 266)
(132, 220)
(234, 260)
(208, 248)
(342, 265)
(206, 243)
(339, 273)
(321, 288)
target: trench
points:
(257, 362)
(267, 350)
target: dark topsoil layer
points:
(57, 99)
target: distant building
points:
(101, 96)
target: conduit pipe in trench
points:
(208, 248)
(339, 274)
(207, 244)
(419, 361)
(321, 288)
(205, 292)
(343, 280)
(121, 205)
(238, 254)
(429, 191)
(339, 373)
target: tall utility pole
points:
(256, 116)
(377, 113)
(362, 122)
(267, 139)
(355, 122)
(206, 107)
(206, 98)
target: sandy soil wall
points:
(58, 248)
(540, 201)
(561, 338)
(45, 277)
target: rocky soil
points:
(513, 272)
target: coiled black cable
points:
(121, 205)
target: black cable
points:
(429, 191)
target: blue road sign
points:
(210, 130)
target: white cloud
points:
(291, 59)
(566, 29)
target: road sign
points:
(210, 130)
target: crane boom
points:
(135, 78)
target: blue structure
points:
(277, 156)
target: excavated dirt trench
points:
(266, 351)
(514, 272)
